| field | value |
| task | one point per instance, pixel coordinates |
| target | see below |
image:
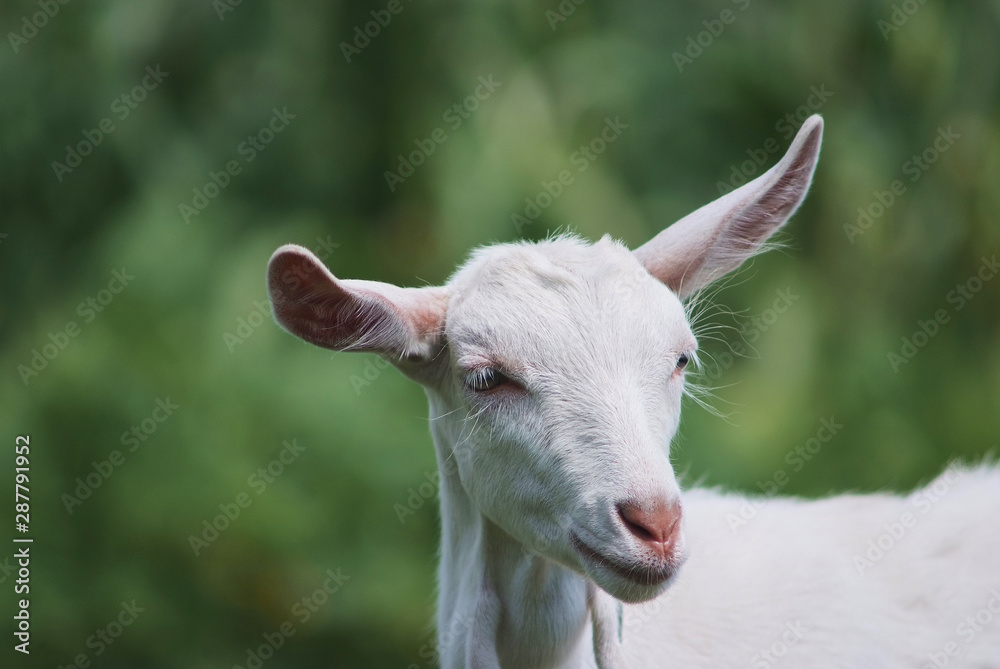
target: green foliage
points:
(188, 327)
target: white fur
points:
(592, 334)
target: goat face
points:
(566, 368)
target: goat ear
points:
(716, 239)
(402, 324)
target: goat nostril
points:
(657, 527)
(637, 529)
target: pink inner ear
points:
(309, 303)
(334, 320)
(717, 238)
(314, 305)
(776, 204)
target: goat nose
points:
(657, 528)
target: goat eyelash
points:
(485, 379)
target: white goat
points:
(554, 372)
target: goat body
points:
(554, 373)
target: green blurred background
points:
(186, 329)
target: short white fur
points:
(566, 536)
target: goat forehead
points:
(563, 298)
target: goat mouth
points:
(638, 574)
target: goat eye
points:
(487, 378)
(682, 362)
